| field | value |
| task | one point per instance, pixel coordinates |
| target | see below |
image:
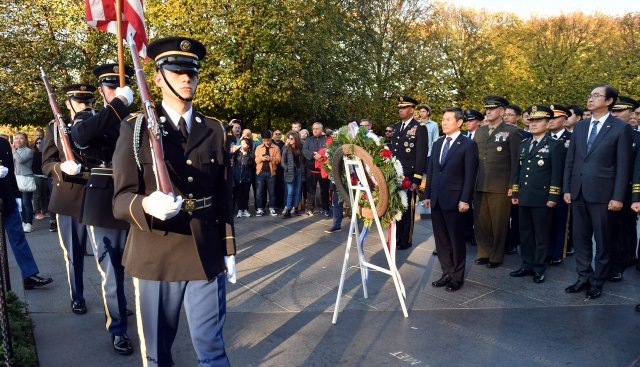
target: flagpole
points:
(120, 40)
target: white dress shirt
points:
(453, 137)
(175, 116)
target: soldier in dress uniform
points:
(179, 244)
(410, 145)
(537, 191)
(498, 148)
(96, 138)
(69, 179)
(473, 119)
(623, 252)
(559, 226)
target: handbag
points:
(26, 183)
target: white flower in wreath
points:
(403, 198)
(399, 171)
(398, 216)
(375, 137)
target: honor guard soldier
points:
(177, 249)
(410, 145)
(623, 252)
(498, 148)
(537, 191)
(96, 138)
(559, 225)
(69, 179)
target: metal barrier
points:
(5, 285)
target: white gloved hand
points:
(126, 93)
(4, 171)
(162, 206)
(230, 263)
(70, 167)
(19, 204)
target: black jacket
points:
(244, 167)
(8, 186)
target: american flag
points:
(101, 14)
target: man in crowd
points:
(450, 182)
(596, 177)
(473, 119)
(576, 115)
(267, 157)
(311, 155)
(433, 130)
(537, 190)
(296, 126)
(180, 243)
(410, 145)
(497, 147)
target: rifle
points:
(57, 117)
(154, 130)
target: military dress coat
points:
(411, 147)
(191, 245)
(498, 154)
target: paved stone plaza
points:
(279, 312)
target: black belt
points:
(190, 205)
(102, 171)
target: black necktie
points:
(592, 135)
(533, 146)
(182, 124)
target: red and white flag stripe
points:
(101, 14)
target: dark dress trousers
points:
(449, 182)
(539, 180)
(560, 228)
(593, 178)
(492, 207)
(411, 147)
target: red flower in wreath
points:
(406, 184)
(329, 140)
(320, 162)
(386, 153)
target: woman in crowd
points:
(23, 158)
(304, 134)
(292, 164)
(243, 170)
(41, 195)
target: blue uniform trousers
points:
(73, 237)
(19, 244)
(108, 246)
(158, 311)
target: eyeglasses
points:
(388, 131)
(510, 115)
(594, 96)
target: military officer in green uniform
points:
(537, 191)
(498, 148)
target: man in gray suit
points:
(596, 176)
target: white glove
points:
(70, 167)
(126, 93)
(19, 204)
(230, 262)
(162, 206)
(4, 171)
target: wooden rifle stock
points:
(154, 130)
(57, 116)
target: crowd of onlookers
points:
(33, 184)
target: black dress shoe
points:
(513, 251)
(446, 279)
(522, 272)
(122, 344)
(453, 286)
(434, 253)
(538, 278)
(492, 265)
(555, 261)
(577, 287)
(35, 281)
(594, 292)
(129, 312)
(332, 230)
(403, 246)
(481, 261)
(78, 308)
(637, 308)
(570, 252)
(615, 277)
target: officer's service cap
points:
(404, 101)
(177, 53)
(79, 92)
(559, 110)
(492, 101)
(109, 75)
(540, 112)
(625, 103)
(471, 114)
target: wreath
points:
(384, 172)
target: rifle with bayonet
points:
(154, 129)
(57, 117)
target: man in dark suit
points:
(410, 145)
(451, 178)
(537, 191)
(497, 148)
(596, 176)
